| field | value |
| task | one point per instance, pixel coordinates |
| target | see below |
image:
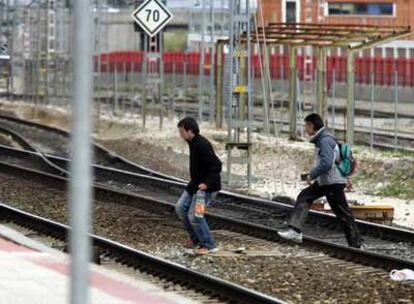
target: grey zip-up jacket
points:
(325, 171)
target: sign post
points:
(152, 16)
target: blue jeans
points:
(196, 227)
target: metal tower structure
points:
(42, 42)
(45, 49)
(239, 107)
(206, 92)
(62, 45)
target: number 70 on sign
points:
(152, 16)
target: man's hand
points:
(309, 180)
(202, 187)
(349, 185)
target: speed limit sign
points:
(152, 16)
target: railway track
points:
(337, 259)
(371, 265)
(378, 238)
(50, 140)
(388, 247)
(23, 143)
(198, 286)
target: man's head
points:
(313, 123)
(188, 128)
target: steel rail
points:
(24, 143)
(200, 282)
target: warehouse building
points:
(373, 12)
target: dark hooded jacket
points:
(205, 166)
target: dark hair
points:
(189, 123)
(315, 120)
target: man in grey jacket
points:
(324, 179)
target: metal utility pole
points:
(321, 91)
(372, 95)
(202, 62)
(44, 33)
(223, 19)
(98, 55)
(212, 62)
(153, 75)
(350, 110)
(50, 52)
(2, 21)
(219, 84)
(239, 107)
(267, 86)
(11, 18)
(59, 9)
(80, 184)
(396, 100)
(293, 96)
(144, 81)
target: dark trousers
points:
(335, 195)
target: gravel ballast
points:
(281, 270)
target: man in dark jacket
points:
(205, 169)
(324, 179)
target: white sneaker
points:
(291, 235)
(363, 247)
(204, 250)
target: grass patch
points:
(396, 182)
(396, 190)
(401, 184)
